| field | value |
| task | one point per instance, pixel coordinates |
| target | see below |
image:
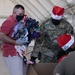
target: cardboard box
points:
(41, 69)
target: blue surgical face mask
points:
(19, 17)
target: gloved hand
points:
(33, 59)
(27, 61)
(20, 42)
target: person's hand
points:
(33, 59)
(30, 62)
(20, 42)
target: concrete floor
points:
(3, 68)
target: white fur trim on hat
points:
(66, 46)
(56, 16)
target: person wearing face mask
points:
(46, 47)
(11, 57)
(19, 17)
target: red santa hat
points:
(65, 41)
(57, 12)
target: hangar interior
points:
(37, 9)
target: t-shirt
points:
(66, 66)
(7, 29)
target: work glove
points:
(33, 59)
(20, 42)
(27, 61)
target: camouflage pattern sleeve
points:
(38, 43)
(69, 28)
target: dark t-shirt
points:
(66, 66)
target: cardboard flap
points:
(42, 69)
(31, 71)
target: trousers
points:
(15, 65)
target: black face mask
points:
(55, 22)
(19, 17)
(70, 50)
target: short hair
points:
(18, 6)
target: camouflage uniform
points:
(47, 43)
